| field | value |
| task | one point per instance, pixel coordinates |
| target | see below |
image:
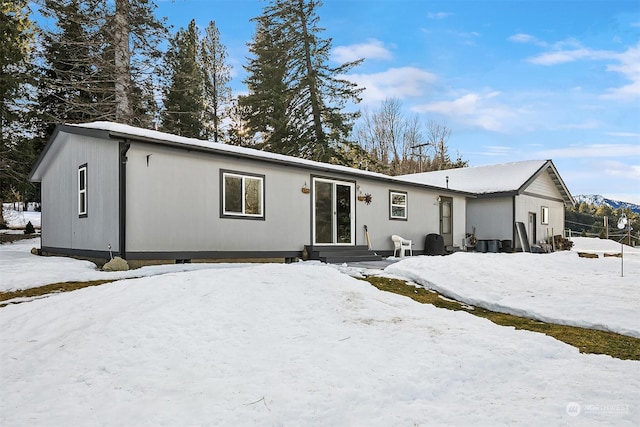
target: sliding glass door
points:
(333, 212)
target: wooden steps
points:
(341, 254)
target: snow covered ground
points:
(19, 269)
(299, 344)
(18, 219)
(559, 287)
(305, 344)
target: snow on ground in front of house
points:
(298, 344)
(19, 269)
(559, 287)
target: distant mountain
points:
(597, 200)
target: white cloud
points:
(624, 134)
(626, 63)
(629, 66)
(624, 171)
(592, 150)
(373, 49)
(478, 110)
(564, 56)
(589, 124)
(526, 38)
(438, 15)
(467, 38)
(497, 150)
(398, 83)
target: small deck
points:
(342, 254)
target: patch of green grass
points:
(48, 289)
(10, 238)
(586, 340)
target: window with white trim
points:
(397, 205)
(544, 215)
(242, 195)
(82, 191)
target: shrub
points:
(29, 228)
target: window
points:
(544, 215)
(398, 205)
(242, 195)
(82, 191)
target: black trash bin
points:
(493, 245)
(481, 246)
(507, 246)
(434, 244)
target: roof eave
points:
(283, 162)
(555, 177)
(43, 160)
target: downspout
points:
(122, 197)
(514, 242)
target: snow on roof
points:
(117, 129)
(504, 177)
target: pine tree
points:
(266, 109)
(71, 87)
(135, 39)
(16, 78)
(217, 75)
(236, 132)
(291, 58)
(15, 53)
(184, 103)
(97, 59)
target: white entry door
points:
(446, 220)
(333, 212)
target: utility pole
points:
(420, 155)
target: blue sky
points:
(514, 80)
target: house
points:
(147, 196)
(528, 192)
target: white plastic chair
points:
(401, 246)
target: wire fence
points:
(595, 230)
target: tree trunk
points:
(122, 58)
(313, 88)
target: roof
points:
(110, 130)
(499, 179)
(504, 179)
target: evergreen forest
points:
(588, 220)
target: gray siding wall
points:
(173, 205)
(527, 203)
(492, 218)
(543, 186)
(423, 216)
(541, 192)
(61, 225)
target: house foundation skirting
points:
(138, 259)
